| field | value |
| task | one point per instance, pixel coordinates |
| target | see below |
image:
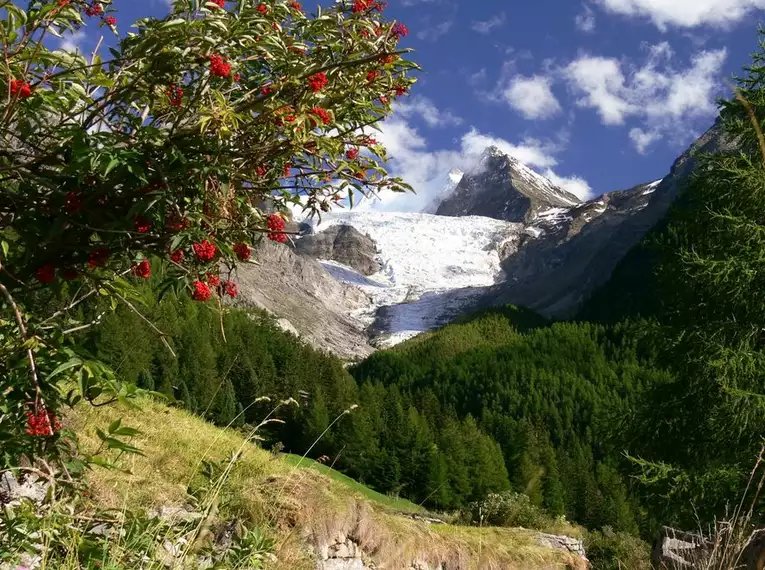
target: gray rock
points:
(298, 289)
(558, 542)
(341, 564)
(14, 490)
(343, 244)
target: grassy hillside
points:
(293, 505)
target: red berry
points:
(262, 8)
(204, 250)
(219, 3)
(219, 66)
(201, 291)
(361, 5)
(177, 256)
(237, 77)
(295, 5)
(94, 9)
(175, 95)
(142, 269)
(98, 257)
(323, 114)
(42, 422)
(110, 21)
(242, 251)
(352, 154)
(213, 280)
(372, 75)
(46, 274)
(399, 30)
(20, 88)
(73, 202)
(142, 225)
(230, 288)
(69, 273)
(275, 225)
(317, 81)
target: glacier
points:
(431, 267)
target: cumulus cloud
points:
(427, 111)
(658, 93)
(532, 97)
(72, 41)
(432, 33)
(426, 168)
(577, 185)
(685, 13)
(585, 20)
(486, 26)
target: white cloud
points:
(575, 184)
(434, 32)
(585, 20)
(643, 139)
(425, 109)
(426, 168)
(486, 26)
(532, 97)
(71, 41)
(657, 93)
(685, 13)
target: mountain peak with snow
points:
(501, 187)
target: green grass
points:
(396, 503)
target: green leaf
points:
(115, 425)
(65, 366)
(112, 163)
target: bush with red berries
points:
(167, 146)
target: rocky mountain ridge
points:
(502, 235)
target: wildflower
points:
(322, 114)
(42, 422)
(142, 225)
(204, 250)
(317, 81)
(201, 291)
(242, 251)
(352, 154)
(177, 256)
(230, 288)
(20, 88)
(213, 280)
(142, 269)
(46, 274)
(275, 225)
(98, 257)
(73, 202)
(110, 21)
(219, 66)
(175, 95)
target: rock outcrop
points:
(343, 244)
(305, 298)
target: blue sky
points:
(598, 95)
